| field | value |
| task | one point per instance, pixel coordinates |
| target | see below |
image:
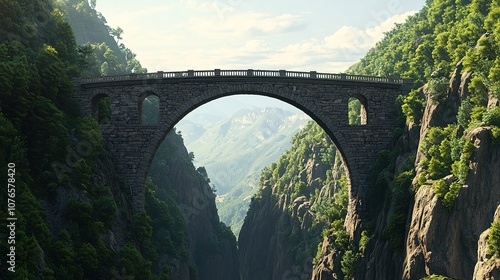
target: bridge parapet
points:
(248, 73)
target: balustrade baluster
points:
(245, 73)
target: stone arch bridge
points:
(324, 97)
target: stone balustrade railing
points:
(245, 73)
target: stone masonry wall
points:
(133, 145)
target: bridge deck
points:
(246, 73)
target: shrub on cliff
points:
(494, 239)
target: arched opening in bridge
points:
(233, 138)
(101, 108)
(149, 108)
(357, 110)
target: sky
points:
(321, 35)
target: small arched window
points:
(357, 110)
(149, 109)
(101, 108)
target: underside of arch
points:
(293, 99)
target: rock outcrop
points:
(444, 241)
(211, 245)
(487, 266)
(280, 232)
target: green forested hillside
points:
(427, 48)
(452, 51)
(106, 55)
(429, 44)
(38, 57)
(71, 215)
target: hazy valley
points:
(235, 149)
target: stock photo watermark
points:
(11, 216)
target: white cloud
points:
(347, 37)
(255, 46)
(130, 17)
(246, 24)
(335, 52)
(250, 40)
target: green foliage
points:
(134, 264)
(494, 239)
(88, 258)
(464, 114)
(365, 239)
(168, 228)
(285, 172)
(349, 262)
(104, 53)
(492, 116)
(105, 210)
(141, 226)
(440, 188)
(495, 133)
(460, 168)
(104, 110)
(40, 128)
(413, 107)
(437, 89)
(476, 116)
(395, 231)
(446, 192)
(203, 172)
(400, 201)
(449, 198)
(287, 178)
(66, 268)
(381, 175)
(440, 146)
(354, 111)
(437, 38)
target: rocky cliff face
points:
(413, 235)
(281, 231)
(211, 245)
(445, 241)
(486, 266)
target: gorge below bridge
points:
(324, 97)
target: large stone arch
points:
(294, 99)
(324, 97)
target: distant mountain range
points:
(235, 149)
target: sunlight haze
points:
(327, 36)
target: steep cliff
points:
(434, 193)
(210, 244)
(454, 140)
(442, 237)
(298, 195)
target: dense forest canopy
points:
(65, 199)
(456, 39)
